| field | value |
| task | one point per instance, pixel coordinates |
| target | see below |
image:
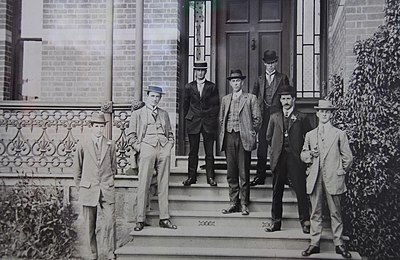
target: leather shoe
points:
(166, 223)
(341, 250)
(310, 250)
(273, 227)
(211, 181)
(189, 181)
(231, 209)
(257, 181)
(306, 229)
(139, 226)
(245, 210)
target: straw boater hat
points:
(325, 105)
(155, 89)
(236, 74)
(287, 90)
(270, 56)
(98, 117)
(200, 65)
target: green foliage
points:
(370, 113)
(35, 223)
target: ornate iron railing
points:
(41, 138)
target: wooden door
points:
(245, 29)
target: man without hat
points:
(327, 152)
(200, 109)
(240, 119)
(266, 88)
(152, 139)
(95, 165)
(285, 135)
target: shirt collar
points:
(151, 107)
(326, 126)
(201, 81)
(270, 74)
(237, 94)
(289, 111)
(96, 139)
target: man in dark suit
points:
(266, 88)
(200, 108)
(240, 119)
(152, 139)
(95, 165)
(285, 135)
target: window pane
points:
(32, 64)
(32, 18)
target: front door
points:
(245, 29)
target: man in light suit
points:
(95, 165)
(327, 152)
(240, 119)
(285, 135)
(200, 109)
(266, 88)
(152, 139)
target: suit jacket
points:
(336, 160)
(249, 119)
(259, 90)
(298, 126)
(138, 126)
(91, 177)
(201, 111)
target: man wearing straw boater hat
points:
(267, 88)
(240, 119)
(152, 139)
(95, 165)
(327, 152)
(200, 109)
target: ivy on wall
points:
(369, 111)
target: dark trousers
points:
(194, 142)
(262, 149)
(287, 171)
(238, 166)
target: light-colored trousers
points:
(316, 198)
(153, 160)
(90, 216)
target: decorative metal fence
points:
(41, 138)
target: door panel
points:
(234, 42)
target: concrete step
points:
(210, 203)
(219, 161)
(222, 237)
(200, 189)
(130, 251)
(217, 219)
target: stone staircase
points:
(205, 233)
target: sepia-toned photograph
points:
(200, 129)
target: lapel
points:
(90, 147)
(280, 120)
(264, 85)
(143, 120)
(275, 82)
(330, 137)
(228, 100)
(195, 90)
(242, 100)
(205, 89)
(291, 122)
(104, 148)
(162, 119)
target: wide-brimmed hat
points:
(236, 74)
(155, 89)
(200, 65)
(287, 90)
(270, 56)
(98, 117)
(325, 105)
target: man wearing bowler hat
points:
(327, 153)
(240, 119)
(95, 165)
(152, 139)
(266, 88)
(200, 109)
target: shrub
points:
(370, 113)
(35, 222)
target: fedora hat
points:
(287, 90)
(201, 65)
(325, 105)
(270, 56)
(236, 74)
(98, 117)
(155, 89)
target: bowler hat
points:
(155, 89)
(98, 117)
(236, 74)
(325, 105)
(200, 65)
(270, 56)
(287, 90)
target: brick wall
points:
(6, 15)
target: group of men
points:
(312, 162)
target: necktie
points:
(269, 77)
(322, 132)
(286, 113)
(154, 113)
